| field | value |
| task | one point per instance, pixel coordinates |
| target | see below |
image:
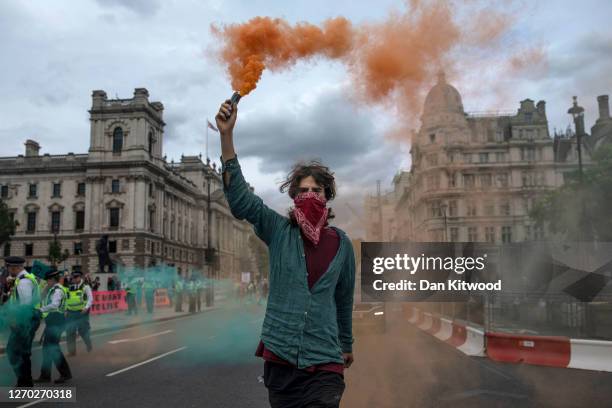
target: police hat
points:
(14, 260)
(53, 273)
(77, 273)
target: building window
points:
(125, 244)
(490, 234)
(78, 248)
(484, 157)
(471, 209)
(151, 190)
(432, 137)
(57, 190)
(80, 220)
(435, 209)
(32, 191)
(4, 192)
(467, 157)
(81, 189)
(112, 247)
(117, 140)
(452, 208)
(114, 217)
(504, 207)
(454, 234)
(151, 143)
(452, 180)
(152, 221)
(7, 249)
(31, 224)
(486, 180)
(468, 180)
(500, 157)
(115, 186)
(472, 234)
(29, 249)
(506, 234)
(527, 153)
(55, 221)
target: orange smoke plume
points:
(264, 42)
(390, 62)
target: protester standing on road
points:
(53, 312)
(23, 319)
(78, 305)
(305, 357)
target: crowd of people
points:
(43, 293)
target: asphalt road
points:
(206, 360)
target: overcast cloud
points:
(55, 53)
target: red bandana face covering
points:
(311, 214)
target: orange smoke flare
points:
(264, 42)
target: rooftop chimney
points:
(541, 108)
(32, 148)
(604, 107)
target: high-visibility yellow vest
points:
(62, 307)
(14, 299)
(76, 299)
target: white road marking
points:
(29, 404)
(146, 361)
(140, 338)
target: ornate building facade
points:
(475, 177)
(153, 211)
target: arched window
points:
(151, 142)
(117, 140)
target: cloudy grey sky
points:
(55, 53)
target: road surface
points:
(206, 360)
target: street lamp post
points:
(209, 252)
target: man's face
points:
(14, 269)
(309, 184)
(76, 279)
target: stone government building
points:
(152, 210)
(475, 176)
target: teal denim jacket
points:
(302, 326)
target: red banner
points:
(108, 302)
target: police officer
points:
(149, 293)
(23, 318)
(53, 309)
(78, 304)
(178, 289)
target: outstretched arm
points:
(225, 123)
(243, 202)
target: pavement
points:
(207, 360)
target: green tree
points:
(581, 210)
(7, 224)
(56, 256)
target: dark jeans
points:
(19, 350)
(52, 352)
(131, 303)
(77, 323)
(289, 387)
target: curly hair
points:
(319, 172)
